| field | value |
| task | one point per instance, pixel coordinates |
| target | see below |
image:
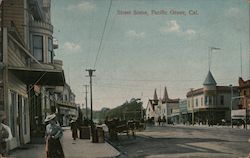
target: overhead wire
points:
(105, 25)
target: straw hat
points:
(50, 117)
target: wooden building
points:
(27, 66)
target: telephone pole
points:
(192, 106)
(91, 103)
(86, 99)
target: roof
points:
(39, 76)
(195, 92)
(165, 95)
(209, 79)
(218, 89)
(244, 84)
(155, 96)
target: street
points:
(186, 141)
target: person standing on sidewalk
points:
(53, 134)
(73, 126)
(5, 134)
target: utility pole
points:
(231, 104)
(86, 99)
(91, 103)
(192, 106)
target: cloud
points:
(173, 27)
(190, 32)
(84, 6)
(71, 47)
(133, 33)
(233, 11)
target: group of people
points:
(161, 121)
(53, 134)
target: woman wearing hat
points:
(53, 134)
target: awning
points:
(39, 76)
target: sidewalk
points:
(80, 148)
(214, 126)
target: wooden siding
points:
(14, 11)
(15, 58)
(16, 85)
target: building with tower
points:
(211, 103)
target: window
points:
(201, 101)
(50, 50)
(206, 100)
(12, 113)
(196, 102)
(210, 100)
(222, 99)
(38, 47)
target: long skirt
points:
(74, 133)
(55, 149)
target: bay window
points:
(38, 47)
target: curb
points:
(110, 143)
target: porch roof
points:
(39, 76)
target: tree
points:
(127, 111)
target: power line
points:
(99, 48)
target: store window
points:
(38, 47)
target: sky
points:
(148, 45)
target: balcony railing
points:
(42, 25)
(58, 64)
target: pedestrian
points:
(159, 120)
(73, 126)
(5, 134)
(52, 136)
(164, 120)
